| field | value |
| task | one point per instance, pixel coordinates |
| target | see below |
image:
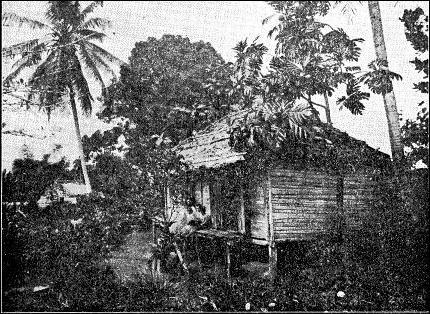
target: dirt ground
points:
(133, 257)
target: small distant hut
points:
(60, 192)
(281, 196)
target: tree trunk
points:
(327, 109)
(389, 99)
(79, 139)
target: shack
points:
(282, 196)
(61, 192)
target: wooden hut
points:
(270, 200)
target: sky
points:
(223, 24)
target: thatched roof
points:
(210, 147)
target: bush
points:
(29, 179)
(62, 246)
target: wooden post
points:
(153, 232)
(340, 207)
(184, 250)
(228, 262)
(273, 261)
(156, 263)
(242, 212)
(271, 230)
(215, 204)
(196, 243)
(168, 203)
(158, 267)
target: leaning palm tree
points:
(390, 105)
(59, 59)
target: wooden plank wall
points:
(357, 195)
(256, 209)
(301, 201)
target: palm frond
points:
(91, 66)
(26, 61)
(47, 65)
(26, 46)
(89, 34)
(80, 84)
(48, 85)
(98, 60)
(97, 22)
(105, 54)
(90, 8)
(9, 19)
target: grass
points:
(300, 287)
(311, 276)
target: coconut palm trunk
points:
(79, 140)
(60, 56)
(389, 98)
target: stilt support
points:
(197, 248)
(228, 261)
(273, 261)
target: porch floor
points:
(216, 233)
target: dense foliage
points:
(313, 57)
(170, 88)
(356, 274)
(62, 248)
(29, 179)
(415, 132)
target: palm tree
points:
(59, 58)
(389, 98)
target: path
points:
(134, 256)
(135, 253)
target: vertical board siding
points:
(257, 211)
(302, 201)
(357, 198)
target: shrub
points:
(29, 179)
(62, 246)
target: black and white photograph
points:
(215, 156)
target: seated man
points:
(190, 218)
(198, 218)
